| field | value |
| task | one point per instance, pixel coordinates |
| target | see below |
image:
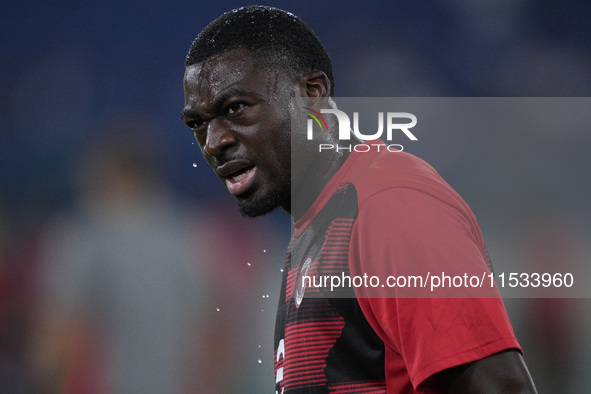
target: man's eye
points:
(235, 107)
(195, 124)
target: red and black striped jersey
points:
(384, 213)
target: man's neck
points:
(306, 193)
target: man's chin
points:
(258, 207)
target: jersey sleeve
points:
(407, 233)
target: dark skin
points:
(240, 112)
(503, 372)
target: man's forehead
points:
(221, 70)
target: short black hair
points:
(267, 33)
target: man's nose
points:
(219, 137)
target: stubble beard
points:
(265, 204)
(272, 199)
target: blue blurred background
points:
(124, 266)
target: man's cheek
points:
(208, 159)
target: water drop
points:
(194, 164)
(260, 361)
(248, 264)
(264, 250)
(217, 309)
(281, 270)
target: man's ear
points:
(314, 84)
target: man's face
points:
(240, 112)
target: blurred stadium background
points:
(124, 266)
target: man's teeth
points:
(240, 177)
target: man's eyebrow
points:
(233, 92)
(188, 113)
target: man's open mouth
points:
(240, 181)
(239, 175)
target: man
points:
(242, 74)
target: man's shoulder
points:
(379, 170)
